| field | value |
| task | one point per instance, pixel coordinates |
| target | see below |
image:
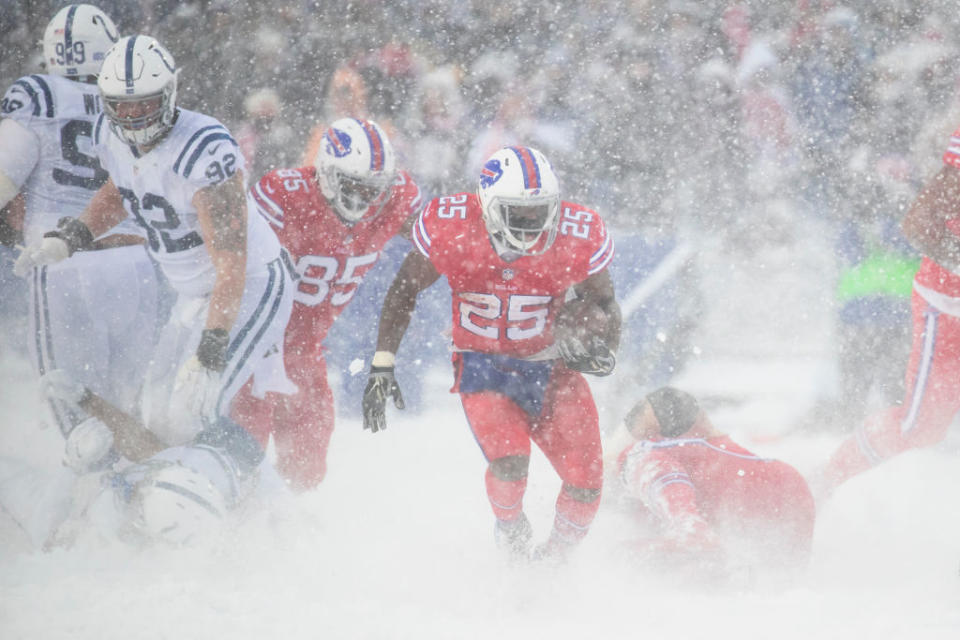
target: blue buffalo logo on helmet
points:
(338, 142)
(490, 173)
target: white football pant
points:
(256, 335)
(95, 316)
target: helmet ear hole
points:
(356, 166)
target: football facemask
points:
(354, 196)
(519, 194)
(355, 168)
(138, 83)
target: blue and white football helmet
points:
(356, 167)
(520, 197)
(76, 41)
(138, 83)
(176, 505)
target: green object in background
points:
(884, 274)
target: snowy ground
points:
(397, 543)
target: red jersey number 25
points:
(526, 315)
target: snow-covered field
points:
(397, 543)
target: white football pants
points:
(95, 316)
(256, 339)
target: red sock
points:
(506, 497)
(573, 517)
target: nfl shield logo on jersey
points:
(338, 142)
(490, 173)
(508, 274)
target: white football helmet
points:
(355, 167)
(177, 505)
(138, 82)
(76, 41)
(520, 197)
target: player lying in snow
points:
(713, 506)
(140, 490)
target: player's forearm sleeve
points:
(19, 154)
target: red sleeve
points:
(408, 195)
(603, 247)
(952, 155)
(268, 195)
(662, 484)
(584, 234)
(425, 229)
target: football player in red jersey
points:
(932, 225)
(511, 252)
(711, 505)
(333, 218)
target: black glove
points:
(594, 358)
(72, 231)
(380, 384)
(212, 351)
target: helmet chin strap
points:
(506, 249)
(347, 214)
(376, 206)
(131, 137)
(147, 136)
(503, 249)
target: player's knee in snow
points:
(510, 468)
(581, 494)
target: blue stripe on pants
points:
(258, 323)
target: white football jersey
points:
(158, 189)
(65, 173)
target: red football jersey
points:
(331, 256)
(732, 485)
(507, 307)
(931, 275)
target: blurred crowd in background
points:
(682, 121)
